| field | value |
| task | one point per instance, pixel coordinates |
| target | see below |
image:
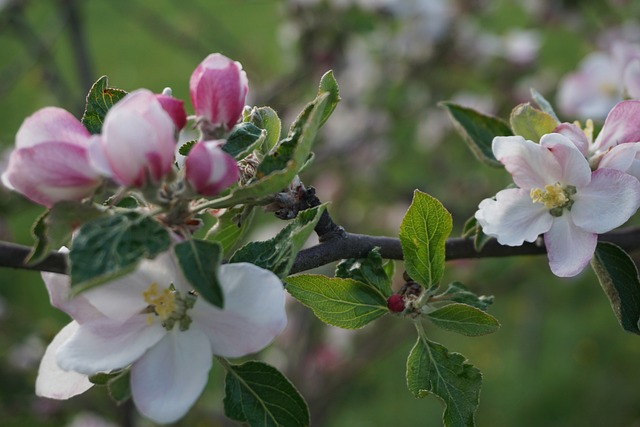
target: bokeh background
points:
(560, 358)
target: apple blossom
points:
(218, 88)
(152, 322)
(174, 107)
(137, 141)
(51, 161)
(210, 170)
(558, 196)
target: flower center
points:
(555, 197)
(169, 306)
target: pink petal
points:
(103, 344)
(175, 108)
(210, 170)
(620, 157)
(53, 382)
(569, 247)
(575, 135)
(168, 379)
(607, 202)
(575, 167)
(513, 217)
(51, 124)
(531, 165)
(253, 313)
(621, 125)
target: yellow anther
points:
(163, 301)
(553, 196)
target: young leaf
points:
(120, 387)
(457, 292)
(244, 138)
(111, 246)
(544, 104)
(432, 369)
(464, 319)
(258, 394)
(328, 84)
(369, 270)
(423, 233)
(99, 100)
(619, 279)
(199, 261)
(231, 227)
(478, 130)
(531, 123)
(266, 118)
(279, 253)
(344, 303)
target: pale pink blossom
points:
(210, 170)
(51, 162)
(137, 143)
(151, 322)
(218, 89)
(559, 197)
(174, 107)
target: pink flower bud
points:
(218, 88)
(210, 170)
(51, 161)
(395, 303)
(174, 107)
(137, 141)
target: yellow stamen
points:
(553, 196)
(163, 302)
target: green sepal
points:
(119, 387)
(278, 253)
(112, 246)
(199, 261)
(472, 229)
(423, 233)
(261, 396)
(244, 138)
(618, 276)
(186, 147)
(102, 378)
(544, 104)
(531, 123)
(100, 99)
(478, 130)
(464, 319)
(369, 270)
(345, 303)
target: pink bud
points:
(210, 170)
(218, 88)
(174, 107)
(137, 141)
(51, 161)
(395, 303)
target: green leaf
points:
(99, 100)
(544, 104)
(199, 261)
(478, 130)
(345, 303)
(618, 277)
(423, 233)
(266, 118)
(457, 292)
(531, 123)
(369, 270)
(120, 387)
(258, 394)
(112, 246)
(186, 147)
(279, 253)
(244, 138)
(472, 229)
(328, 84)
(464, 319)
(431, 368)
(231, 227)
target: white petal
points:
(620, 157)
(103, 344)
(513, 217)
(607, 202)
(58, 286)
(574, 165)
(569, 247)
(53, 382)
(531, 165)
(168, 379)
(621, 125)
(575, 135)
(253, 313)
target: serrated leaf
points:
(345, 303)
(618, 276)
(100, 99)
(244, 138)
(266, 118)
(120, 387)
(231, 227)
(111, 246)
(369, 270)
(278, 253)
(199, 261)
(457, 292)
(328, 84)
(431, 368)
(186, 147)
(423, 233)
(478, 130)
(464, 319)
(544, 104)
(531, 123)
(258, 394)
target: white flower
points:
(558, 196)
(151, 322)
